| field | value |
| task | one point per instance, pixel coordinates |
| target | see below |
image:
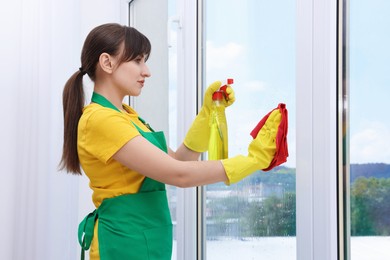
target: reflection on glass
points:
(252, 42)
(370, 130)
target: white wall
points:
(150, 17)
(40, 48)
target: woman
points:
(127, 163)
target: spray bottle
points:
(218, 144)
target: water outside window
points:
(369, 129)
(252, 42)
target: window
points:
(252, 42)
(369, 130)
(229, 52)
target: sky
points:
(254, 43)
(369, 81)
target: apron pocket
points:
(159, 242)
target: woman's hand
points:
(197, 138)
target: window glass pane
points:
(252, 42)
(369, 129)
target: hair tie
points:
(82, 71)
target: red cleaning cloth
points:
(281, 153)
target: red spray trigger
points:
(224, 87)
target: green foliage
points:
(273, 210)
(273, 217)
(236, 217)
(270, 213)
(370, 207)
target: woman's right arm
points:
(140, 155)
(143, 157)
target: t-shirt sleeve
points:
(106, 132)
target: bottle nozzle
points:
(229, 81)
(224, 86)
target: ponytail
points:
(106, 38)
(73, 103)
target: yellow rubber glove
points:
(261, 151)
(197, 138)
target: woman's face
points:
(130, 76)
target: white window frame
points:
(316, 99)
(187, 92)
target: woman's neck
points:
(111, 96)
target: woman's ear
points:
(106, 62)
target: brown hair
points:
(106, 38)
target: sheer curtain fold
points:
(37, 212)
(41, 42)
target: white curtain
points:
(40, 48)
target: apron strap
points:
(85, 232)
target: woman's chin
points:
(135, 94)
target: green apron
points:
(132, 226)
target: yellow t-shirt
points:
(102, 132)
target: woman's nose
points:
(146, 71)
